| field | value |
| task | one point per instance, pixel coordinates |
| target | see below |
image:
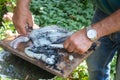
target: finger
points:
(66, 44)
(22, 29)
(30, 25)
(28, 28)
(78, 50)
(17, 29)
(30, 22)
(70, 48)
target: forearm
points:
(23, 4)
(109, 25)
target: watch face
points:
(91, 33)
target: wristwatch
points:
(91, 33)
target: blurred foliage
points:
(80, 73)
(6, 6)
(7, 25)
(113, 68)
(71, 14)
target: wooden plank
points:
(66, 65)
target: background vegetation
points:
(69, 14)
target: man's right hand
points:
(22, 17)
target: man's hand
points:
(78, 42)
(22, 17)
